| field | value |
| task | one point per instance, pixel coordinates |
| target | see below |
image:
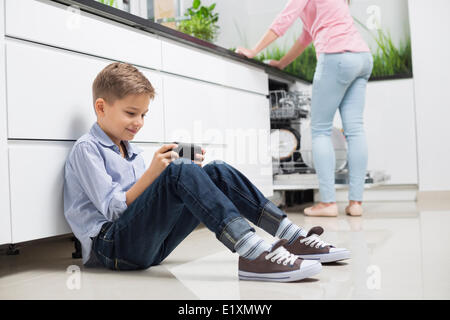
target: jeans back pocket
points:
(107, 232)
(348, 68)
(103, 245)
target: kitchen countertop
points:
(97, 8)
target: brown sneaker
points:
(312, 247)
(277, 265)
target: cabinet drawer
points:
(57, 25)
(5, 218)
(195, 111)
(37, 194)
(248, 138)
(36, 187)
(52, 99)
(191, 62)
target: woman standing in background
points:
(344, 65)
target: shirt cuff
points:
(118, 204)
(277, 31)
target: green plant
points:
(111, 3)
(303, 66)
(203, 22)
(388, 59)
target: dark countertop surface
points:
(97, 8)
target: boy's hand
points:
(200, 157)
(162, 158)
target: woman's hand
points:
(246, 52)
(276, 64)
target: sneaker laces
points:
(281, 254)
(314, 240)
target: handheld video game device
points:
(187, 150)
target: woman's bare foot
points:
(321, 205)
(322, 209)
(354, 208)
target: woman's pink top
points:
(328, 23)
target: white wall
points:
(430, 42)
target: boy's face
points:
(123, 119)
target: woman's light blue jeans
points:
(340, 82)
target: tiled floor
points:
(399, 251)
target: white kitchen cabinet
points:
(205, 113)
(37, 181)
(52, 99)
(195, 111)
(390, 128)
(391, 132)
(389, 123)
(36, 171)
(54, 24)
(194, 63)
(5, 216)
(248, 137)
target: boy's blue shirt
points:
(96, 178)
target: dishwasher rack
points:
(292, 161)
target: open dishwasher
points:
(291, 147)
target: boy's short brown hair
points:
(118, 80)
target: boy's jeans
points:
(175, 203)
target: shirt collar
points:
(106, 141)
